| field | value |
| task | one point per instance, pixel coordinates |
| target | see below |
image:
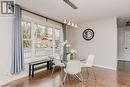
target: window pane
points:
(27, 48)
(26, 27)
(57, 41)
(49, 33)
(39, 33)
(43, 37)
(40, 52)
(43, 41)
(27, 53)
(26, 44)
(57, 34)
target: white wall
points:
(5, 46)
(103, 45)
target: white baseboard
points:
(105, 67)
(13, 78)
(18, 76)
(124, 59)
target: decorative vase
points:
(71, 56)
(68, 57)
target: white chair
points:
(73, 68)
(88, 64)
(57, 63)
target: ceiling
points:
(88, 10)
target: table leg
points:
(48, 65)
(51, 64)
(29, 70)
(32, 70)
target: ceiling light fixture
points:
(72, 24)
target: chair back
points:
(57, 59)
(56, 56)
(73, 67)
(90, 60)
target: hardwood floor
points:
(105, 78)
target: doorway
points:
(123, 25)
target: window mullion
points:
(61, 40)
(33, 27)
(53, 32)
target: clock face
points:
(88, 34)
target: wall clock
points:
(88, 34)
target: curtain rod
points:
(41, 16)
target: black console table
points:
(33, 66)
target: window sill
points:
(28, 60)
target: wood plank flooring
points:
(105, 78)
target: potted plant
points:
(71, 54)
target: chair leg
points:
(87, 69)
(68, 78)
(81, 76)
(94, 73)
(61, 70)
(78, 77)
(64, 78)
(83, 71)
(82, 84)
(52, 71)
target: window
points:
(26, 28)
(57, 41)
(44, 41)
(39, 40)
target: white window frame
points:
(32, 31)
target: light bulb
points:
(76, 25)
(69, 23)
(72, 24)
(65, 21)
